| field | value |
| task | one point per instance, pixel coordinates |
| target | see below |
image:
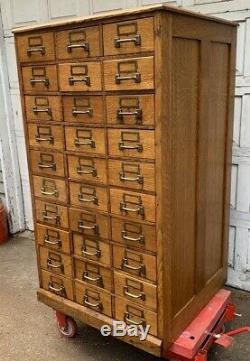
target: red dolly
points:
(194, 343)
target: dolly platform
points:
(195, 341)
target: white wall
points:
(17, 13)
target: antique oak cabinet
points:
(128, 122)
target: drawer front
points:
(78, 43)
(55, 262)
(135, 315)
(130, 109)
(46, 136)
(53, 238)
(45, 163)
(134, 235)
(127, 37)
(50, 189)
(40, 78)
(131, 143)
(83, 109)
(134, 175)
(51, 214)
(93, 274)
(80, 76)
(57, 284)
(36, 47)
(135, 290)
(84, 195)
(85, 140)
(135, 263)
(89, 224)
(43, 108)
(129, 74)
(87, 169)
(93, 298)
(133, 205)
(91, 248)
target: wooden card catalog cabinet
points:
(128, 122)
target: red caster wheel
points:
(66, 325)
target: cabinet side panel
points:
(185, 92)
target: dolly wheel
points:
(69, 329)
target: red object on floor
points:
(3, 224)
(206, 329)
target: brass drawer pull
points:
(93, 200)
(83, 141)
(138, 209)
(136, 40)
(47, 166)
(57, 242)
(51, 218)
(127, 319)
(97, 253)
(121, 114)
(41, 110)
(92, 279)
(85, 79)
(34, 81)
(90, 304)
(125, 264)
(84, 46)
(37, 49)
(135, 76)
(129, 294)
(139, 239)
(58, 290)
(49, 139)
(138, 146)
(90, 228)
(138, 178)
(54, 193)
(52, 265)
(92, 171)
(88, 111)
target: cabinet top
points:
(119, 14)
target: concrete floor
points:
(28, 332)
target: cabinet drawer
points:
(55, 262)
(78, 43)
(129, 74)
(85, 140)
(57, 284)
(45, 163)
(91, 248)
(134, 235)
(134, 175)
(93, 274)
(36, 47)
(84, 195)
(136, 263)
(43, 108)
(83, 109)
(135, 315)
(80, 76)
(40, 78)
(135, 290)
(50, 189)
(53, 238)
(52, 214)
(131, 143)
(90, 224)
(99, 301)
(127, 37)
(46, 136)
(133, 205)
(130, 109)
(87, 169)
